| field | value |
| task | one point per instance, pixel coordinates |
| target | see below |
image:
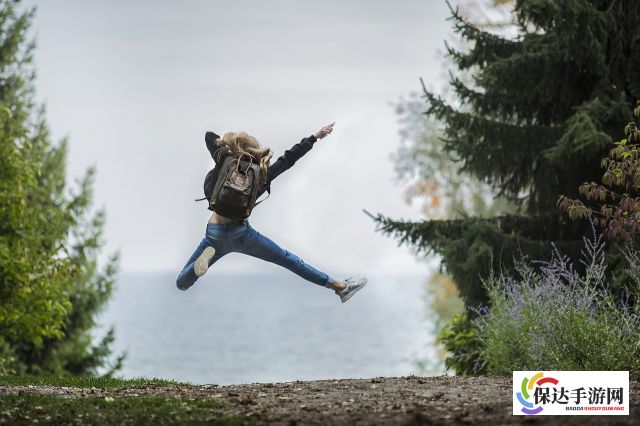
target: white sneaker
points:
(202, 262)
(352, 287)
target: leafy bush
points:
(460, 338)
(550, 317)
(618, 212)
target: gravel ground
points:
(404, 400)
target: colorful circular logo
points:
(526, 389)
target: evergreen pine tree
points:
(50, 286)
(542, 110)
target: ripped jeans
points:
(242, 238)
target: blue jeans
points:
(242, 238)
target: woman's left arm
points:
(293, 154)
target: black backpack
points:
(233, 194)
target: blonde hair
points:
(241, 143)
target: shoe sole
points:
(202, 262)
(348, 296)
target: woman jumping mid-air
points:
(241, 174)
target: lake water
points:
(248, 328)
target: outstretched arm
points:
(294, 153)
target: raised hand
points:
(324, 131)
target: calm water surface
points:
(249, 328)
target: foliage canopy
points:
(50, 285)
(534, 122)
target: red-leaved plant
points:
(618, 213)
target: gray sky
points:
(135, 85)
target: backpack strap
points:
(226, 168)
(256, 184)
(268, 194)
(200, 199)
(256, 205)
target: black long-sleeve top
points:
(283, 163)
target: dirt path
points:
(405, 400)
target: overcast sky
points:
(135, 85)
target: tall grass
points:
(548, 316)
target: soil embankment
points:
(405, 400)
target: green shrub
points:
(460, 338)
(550, 317)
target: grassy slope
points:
(25, 408)
(83, 381)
